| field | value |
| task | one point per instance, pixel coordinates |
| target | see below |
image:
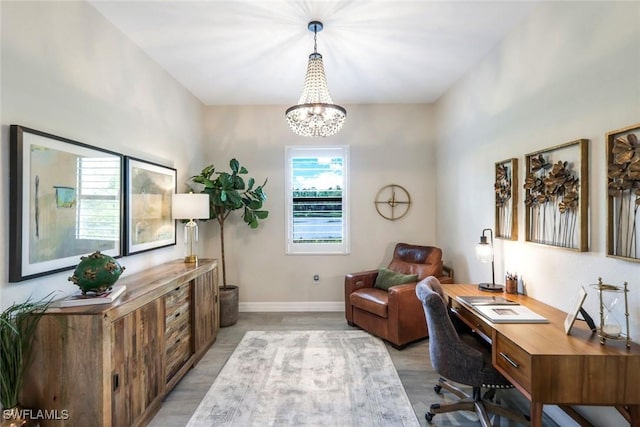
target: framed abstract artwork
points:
(65, 201)
(623, 189)
(557, 192)
(506, 195)
(149, 190)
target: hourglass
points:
(610, 314)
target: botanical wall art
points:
(148, 199)
(623, 183)
(506, 193)
(557, 191)
(64, 201)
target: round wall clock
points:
(393, 202)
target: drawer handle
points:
(508, 359)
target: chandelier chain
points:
(315, 39)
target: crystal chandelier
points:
(315, 114)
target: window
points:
(98, 211)
(317, 200)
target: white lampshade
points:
(484, 251)
(190, 206)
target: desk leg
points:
(536, 414)
(634, 412)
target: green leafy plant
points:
(17, 330)
(228, 192)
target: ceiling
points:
(249, 52)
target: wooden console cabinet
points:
(111, 365)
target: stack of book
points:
(79, 299)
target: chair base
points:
(476, 403)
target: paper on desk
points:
(509, 314)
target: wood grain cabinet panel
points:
(111, 365)
(206, 319)
(136, 340)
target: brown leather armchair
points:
(395, 315)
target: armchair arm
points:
(355, 281)
(406, 314)
(447, 275)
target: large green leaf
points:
(234, 165)
(255, 204)
(238, 183)
(261, 214)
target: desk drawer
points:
(513, 360)
(472, 320)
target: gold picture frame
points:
(506, 199)
(557, 196)
(623, 193)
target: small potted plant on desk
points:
(17, 330)
(228, 192)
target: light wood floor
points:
(412, 364)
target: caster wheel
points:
(437, 388)
(429, 417)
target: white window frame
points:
(293, 248)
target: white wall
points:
(388, 144)
(570, 71)
(69, 72)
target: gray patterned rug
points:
(307, 378)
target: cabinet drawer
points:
(177, 328)
(178, 351)
(177, 298)
(513, 360)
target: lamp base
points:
(191, 259)
(490, 287)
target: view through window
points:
(317, 200)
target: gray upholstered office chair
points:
(459, 361)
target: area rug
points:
(307, 378)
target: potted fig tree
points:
(228, 192)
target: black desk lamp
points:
(484, 253)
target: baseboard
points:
(291, 306)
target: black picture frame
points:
(148, 197)
(50, 226)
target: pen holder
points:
(511, 286)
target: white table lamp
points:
(484, 254)
(190, 206)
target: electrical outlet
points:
(316, 278)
